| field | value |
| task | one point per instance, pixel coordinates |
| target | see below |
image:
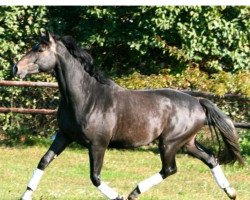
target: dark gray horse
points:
(97, 113)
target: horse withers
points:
(97, 113)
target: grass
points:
(67, 178)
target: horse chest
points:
(69, 126)
(85, 128)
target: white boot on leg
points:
(223, 182)
(33, 183)
(27, 195)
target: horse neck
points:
(75, 84)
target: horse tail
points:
(220, 123)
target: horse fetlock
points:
(95, 179)
(231, 192)
(165, 172)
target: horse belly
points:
(137, 132)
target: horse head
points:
(41, 58)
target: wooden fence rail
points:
(28, 84)
(28, 110)
(55, 85)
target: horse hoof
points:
(120, 198)
(231, 193)
(132, 198)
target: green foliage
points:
(191, 78)
(144, 39)
(18, 25)
(151, 38)
(245, 142)
(19, 28)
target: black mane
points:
(84, 58)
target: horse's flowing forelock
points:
(84, 58)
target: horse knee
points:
(95, 180)
(165, 172)
(45, 160)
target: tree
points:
(149, 39)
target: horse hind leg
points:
(58, 145)
(198, 151)
(167, 152)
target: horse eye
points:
(40, 49)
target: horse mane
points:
(84, 58)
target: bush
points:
(148, 39)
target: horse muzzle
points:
(21, 72)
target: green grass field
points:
(68, 176)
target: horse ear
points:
(51, 39)
(44, 36)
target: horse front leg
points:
(96, 155)
(58, 145)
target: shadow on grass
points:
(32, 141)
(29, 141)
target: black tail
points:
(224, 125)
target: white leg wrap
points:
(150, 182)
(27, 195)
(107, 191)
(220, 177)
(36, 177)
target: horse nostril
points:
(14, 69)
